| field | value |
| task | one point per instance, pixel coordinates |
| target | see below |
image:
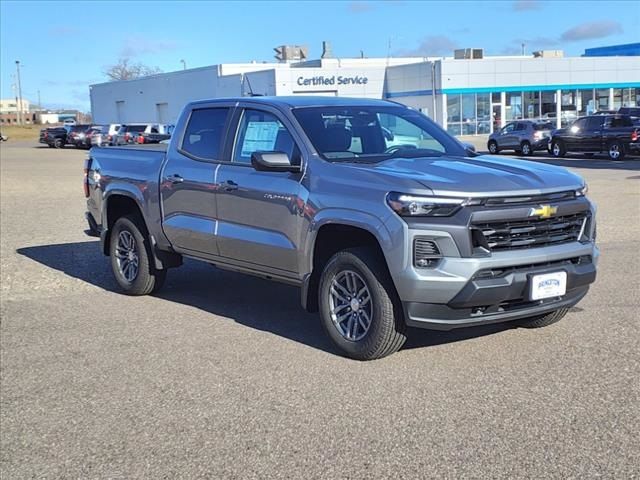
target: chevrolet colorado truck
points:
(381, 218)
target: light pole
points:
(20, 115)
(184, 64)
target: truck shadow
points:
(256, 303)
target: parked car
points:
(69, 122)
(54, 137)
(614, 135)
(378, 237)
(3, 138)
(128, 133)
(523, 136)
(154, 137)
(76, 135)
(103, 135)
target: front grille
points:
(533, 233)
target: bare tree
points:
(126, 70)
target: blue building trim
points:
(626, 50)
(525, 88)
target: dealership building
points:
(468, 93)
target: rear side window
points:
(615, 122)
(204, 132)
(543, 126)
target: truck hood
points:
(479, 176)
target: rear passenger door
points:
(260, 213)
(188, 184)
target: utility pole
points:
(39, 104)
(184, 64)
(20, 115)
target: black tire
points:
(558, 149)
(542, 320)
(58, 143)
(386, 331)
(493, 147)
(526, 149)
(147, 279)
(615, 150)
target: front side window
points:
(262, 132)
(510, 127)
(204, 132)
(579, 124)
(374, 133)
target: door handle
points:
(175, 178)
(229, 186)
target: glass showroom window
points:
(531, 104)
(568, 108)
(549, 105)
(483, 109)
(585, 102)
(602, 99)
(617, 98)
(454, 109)
(469, 114)
(513, 106)
(631, 97)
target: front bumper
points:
(496, 294)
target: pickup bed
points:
(615, 135)
(381, 218)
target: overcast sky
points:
(65, 46)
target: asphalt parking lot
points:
(224, 376)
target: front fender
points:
(349, 217)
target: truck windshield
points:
(374, 133)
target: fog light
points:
(425, 253)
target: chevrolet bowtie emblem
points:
(545, 211)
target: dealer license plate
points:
(548, 285)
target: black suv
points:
(55, 137)
(614, 135)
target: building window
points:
(483, 108)
(531, 104)
(585, 102)
(602, 99)
(469, 114)
(617, 98)
(513, 106)
(568, 107)
(453, 114)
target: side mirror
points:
(273, 162)
(469, 147)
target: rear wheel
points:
(615, 150)
(493, 147)
(131, 263)
(558, 149)
(58, 143)
(542, 320)
(525, 148)
(359, 307)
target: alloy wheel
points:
(127, 256)
(614, 151)
(351, 305)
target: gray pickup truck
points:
(381, 218)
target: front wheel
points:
(543, 320)
(359, 307)
(131, 258)
(558, 149)
(616, 150)
(58, 143)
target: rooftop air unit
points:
(468, 53)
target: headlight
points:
(582, 192)
(419, 206)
